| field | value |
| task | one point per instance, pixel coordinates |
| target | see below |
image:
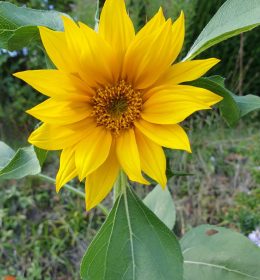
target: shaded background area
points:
(44, 235)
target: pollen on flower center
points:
(117, 107)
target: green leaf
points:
(18, 165)
(228, 107)
(215, 253)
(41, 155)
(18, 25)
(232, 107)
(161, 203)
(233, 18)
(247, 103)
(6, 154)
(132, 244)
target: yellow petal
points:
(91, 53)
(116, 26)
(202, 95)
(128, 156)
(92, 151)
(100, 182)
(172, 106)
(58, 112)
(177, 36)
(152, 157)
(186, 71)
(184, 92)
(170, 136)
(153, 24)
(74, 39)
(57, 84)
(57, 49)
(148, 57)
(97, 63)
(67, 170)
(54, 137)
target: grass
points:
(44, 235)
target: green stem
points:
(46, 178)
(120, 184)
(52, 180)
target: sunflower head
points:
(115, 98)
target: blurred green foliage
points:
(36, 240)
(16, 97)
(245, 214)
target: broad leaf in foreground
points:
(215, 253)
(18, 165)
(133, 244)
(233, 18)
(160, 201)
(18, 25)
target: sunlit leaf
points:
(233, 18)
(18, 25)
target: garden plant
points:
(115, 104)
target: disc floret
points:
(117, 107)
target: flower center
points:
(117, 107)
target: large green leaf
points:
(133, 244)
(233, 18)
(215, 253)
(232, 107)
(161, 203)
(18, 165)
(18, 25)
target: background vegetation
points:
(43, 235)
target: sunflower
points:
(116, 98)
